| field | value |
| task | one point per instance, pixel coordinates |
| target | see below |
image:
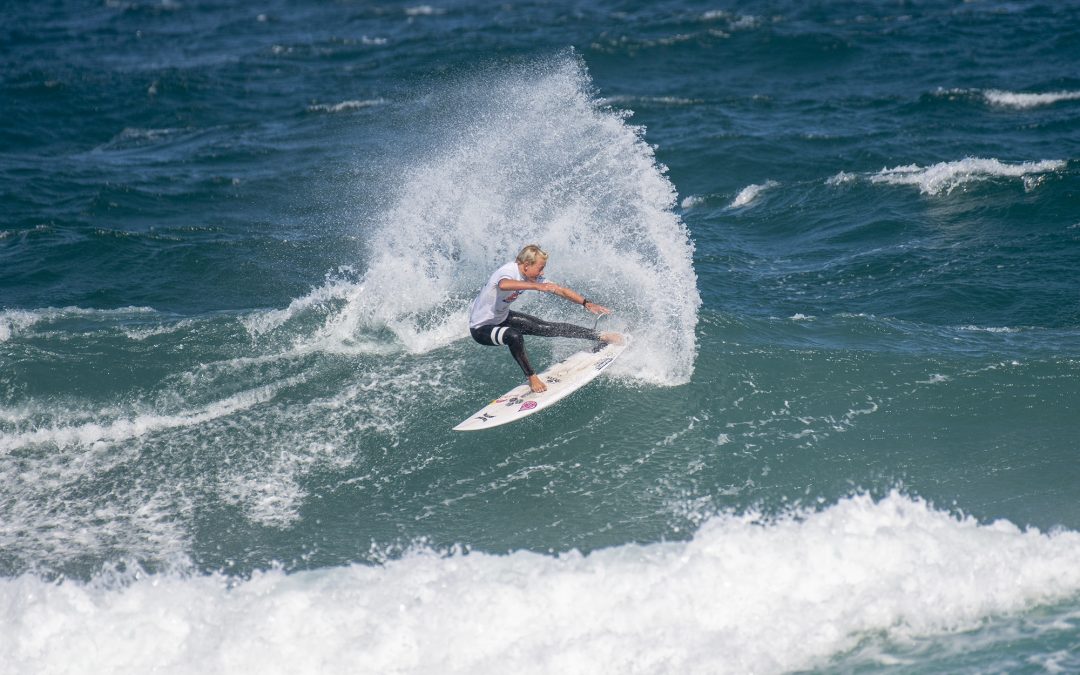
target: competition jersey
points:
(492, 306)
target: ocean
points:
(238, 242)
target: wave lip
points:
(944, 177)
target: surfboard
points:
(562, 379)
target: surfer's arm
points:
(549, 287)
(515, 285)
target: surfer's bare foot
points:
(536, 384)
(611, 338)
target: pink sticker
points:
(528, 405)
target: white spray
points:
(524, 156)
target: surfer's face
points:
(533, 270)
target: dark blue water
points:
(238, 245)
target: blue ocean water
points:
(237, 247)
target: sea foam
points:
(346, 106)
(118, 430)
(1010, 99)
(15, 322)
(746, 594)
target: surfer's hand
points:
(596, 309)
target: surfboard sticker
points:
(562, 379)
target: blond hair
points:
(530, 253)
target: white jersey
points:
(492, 306)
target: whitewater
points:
(745, 594)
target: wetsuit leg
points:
(511, 333)
(503, 334)
(516, 342)
(530, 325)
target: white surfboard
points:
(562, 379)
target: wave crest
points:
(944, 177)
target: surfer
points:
(492, 322)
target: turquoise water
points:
(237, 248)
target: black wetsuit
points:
(511, 333)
